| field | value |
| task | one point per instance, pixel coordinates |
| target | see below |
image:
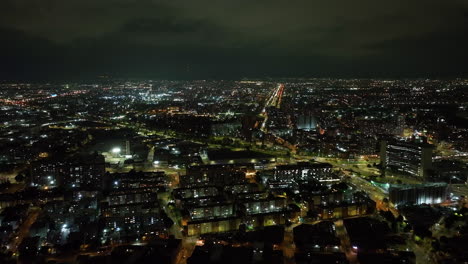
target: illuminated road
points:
(374, 192)
(23, 230)
(342, 234)
(460, 190)
(188, 246)
(273, 101)
(188, 243)
(288, 246)
(275, 97)
(26, 101)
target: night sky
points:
(177, 39)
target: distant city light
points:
(116, 150)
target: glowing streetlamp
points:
(116, 150)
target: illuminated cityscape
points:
(209, 132)
(91, 171)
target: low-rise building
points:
(428, 193)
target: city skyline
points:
(233, 132)
(246, 171)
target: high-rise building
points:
(413, 157)
(127, 148)
(400, 125)
(306, 122)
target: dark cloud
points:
(225, 38)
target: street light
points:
(116, 150)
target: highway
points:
(273, 101)
(375, 193)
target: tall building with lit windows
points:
(306, 122)
(410, 157)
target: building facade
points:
(407, 157)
